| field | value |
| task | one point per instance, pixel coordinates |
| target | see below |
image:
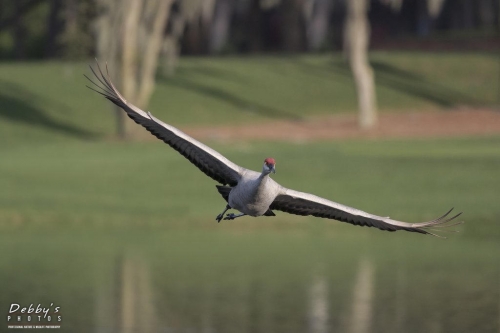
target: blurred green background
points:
(121, 234)
(76, 205)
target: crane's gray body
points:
(250, 192)
(254, 193)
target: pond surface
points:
(314, 278)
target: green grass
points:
(49, 101)
(74, 213)
(85, 178)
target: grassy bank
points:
(47, 101)
(67, 183)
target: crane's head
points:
(269, 166)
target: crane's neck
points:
(262, 181)
(264, 176)
(259, 185)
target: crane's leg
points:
(232, 216)
(221, 215)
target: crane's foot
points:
(221, 215)
(233, 216)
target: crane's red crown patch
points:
(270, 160)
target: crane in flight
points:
(255, 193)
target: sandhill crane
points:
(254, 193)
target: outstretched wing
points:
(205, 158)
(300, 203)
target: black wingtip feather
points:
(97, 91)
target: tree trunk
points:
(498, 30)
(293, 25)
(424, 21)
(253, 29)
(107, 26)
(130, 35)
(467, 8)
(171, 47)
(486, 13)
(19, 32)
(152, 52)
(54, 26)
(356, 39)
(434, 7)
(317, 15)
(198, 16)
(131, 20)
(219, 31)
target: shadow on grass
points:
(404, 81)
(19, 105)
(413, 84)
(241, 104)
(219, 73)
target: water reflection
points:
(126, 302)
(362, 300)
(318, 304)
(138, 296)
(187, 282)
(401, 299)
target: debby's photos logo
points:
(34, 316)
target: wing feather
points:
(205, 158)
(300, 203)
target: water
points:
(302, 279)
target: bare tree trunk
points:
(254, 27)
(19, 32)
(171, 48)
(293, 22)
(467, 14)
(356, 40)
(193, 38)
(130, 36)
(70, 11)
(131, 20)
(317, 15)
(53, 28)
(219, 31)
(486, 13)
(434, 7)
(498, 30)
(150, 56)
(198, 23)
(108, 44)
(424, 20)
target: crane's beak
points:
(273, 169)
